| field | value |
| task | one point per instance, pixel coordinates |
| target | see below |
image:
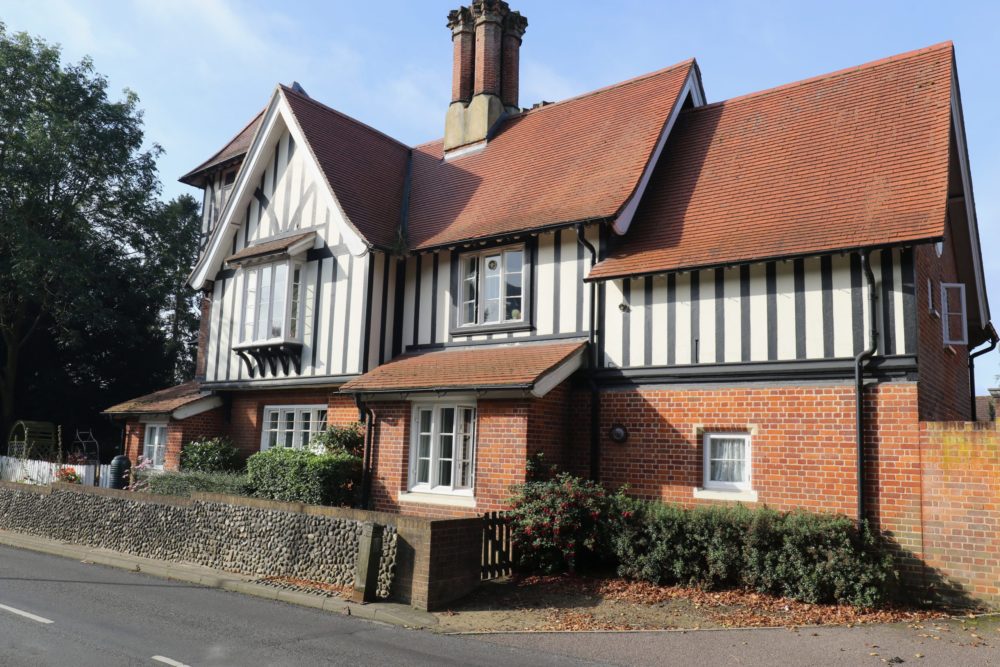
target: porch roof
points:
(530, 367)
(180, 402)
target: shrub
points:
(348, 439)
(188, 482)
(68, 476)
(210, 455)
(295, 475)
(809, 557)
(554, 522)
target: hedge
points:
(210, 455)
(815, 558)
(186, 483)
(295, 475)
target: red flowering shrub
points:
(553, 522)
(68, 475)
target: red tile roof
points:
(576, 160)
(236, 148)
(365, 168)
(517, 366)
(851, 159)
(163, 401)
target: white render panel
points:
(683, 312)
(785, 301)
(613, 322)
(706, 318)
(732, 316)
(659, 311)
(569, 284)
(814, 309)
(545, 275)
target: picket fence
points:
(43, 472)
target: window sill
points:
(444, 499)
(481, 329)
(732, 496)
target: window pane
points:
(423, 471)
(727, 458)
(491, 289)
(278, 300)
(425, 421)
(424, 447)
(305, 427)
(465, 431)
(289, 430)
(447, 420)
(469, 290)
(444, 472)
(251, 304)
(263, 303)
(514, 261)
(293, 325)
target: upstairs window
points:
(954, 321)
(272, 303)
(492, 287)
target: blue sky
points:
(202, 68)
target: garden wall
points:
(250, 536)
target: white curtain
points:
(727, 460)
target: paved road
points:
(55, 611)
(101, 616)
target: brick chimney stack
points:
(486, 38)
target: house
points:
(753, 300)
(988, 406)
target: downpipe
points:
(859, 380)
(595, 403)
(994, 340)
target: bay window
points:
(492, 287)
(442, 451)
(291, 426)
(271, 302)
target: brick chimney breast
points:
(486, 38)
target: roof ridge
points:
(325, 107)
(603, 89)
(946, 45)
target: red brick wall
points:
(803, 441)
(247, 412)
(961, 508)
(944, 371)
(507, 431)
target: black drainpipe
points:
(595, 403)
(859, 387)
(368, 415)
(994, 339)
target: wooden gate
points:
(498, 556)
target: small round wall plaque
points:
(618, 433)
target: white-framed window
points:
(727, 461)
(291, 425)
(272, 302)
(154, 446)
(492, 286)
(954, 321)
(443, 447)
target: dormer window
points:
(492, 287)
(228, 180)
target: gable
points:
(279, 190)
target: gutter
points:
(859, 388)
(994, 340)
(595, 403)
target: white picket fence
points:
(42, 472)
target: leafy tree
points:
(76, 205)
(177, 226)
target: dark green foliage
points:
(295, 475)
(186, 483)
(554, 522)
(210, 455)
(91, 308)
(340, 439)
(809, 557)
(536, 468)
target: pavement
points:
(61, 604)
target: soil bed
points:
(556, 603)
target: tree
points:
(76, 200)
(178, 229)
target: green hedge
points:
(809, 557)
(294, 475)
(186, 483)
(210, 455)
